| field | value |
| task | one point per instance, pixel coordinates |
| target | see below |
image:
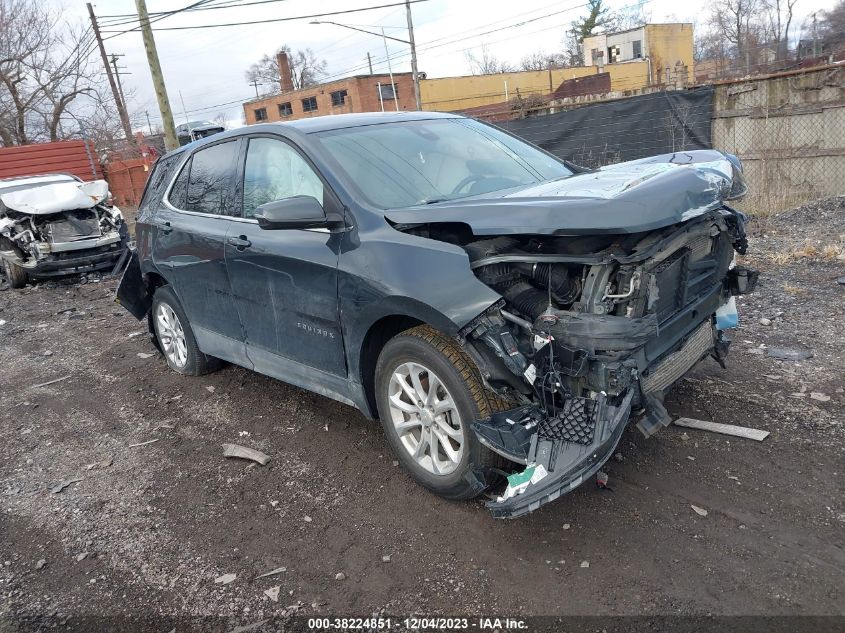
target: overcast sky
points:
(207, 65)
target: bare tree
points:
(305, 69)
(543, 61)
(488, 64)
(778, 20)
(710, 45)
(830, 29)
(628, 17)
(44, 68)
(735, 21)
(99, 122)
(572, 48)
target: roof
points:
(319, 86)
(357, 119)
(637, 28)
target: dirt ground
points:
(153, 513)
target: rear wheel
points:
(16, 275)
(429, 392)
(176, 338)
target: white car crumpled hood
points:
(58, 197)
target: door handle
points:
(166, 228)
(240, 242)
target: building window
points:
(309, 104)
(260, 114)
(285, 109)
(388, 91)
(339, 97)
(638, 49)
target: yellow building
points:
(652, 55)
(448, 94)
(667, 48)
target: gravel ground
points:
(117, 506)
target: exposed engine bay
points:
(590, 329)
(60, 228)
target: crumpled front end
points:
(588, 331)
(61, 228)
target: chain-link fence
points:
(789, 131)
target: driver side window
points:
(274, 171)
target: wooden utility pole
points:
(414, 76)
(255, 83)
(170, 140)
(117, 78)
(121, 106)
(370, 62)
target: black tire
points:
(16, 276)
(197, 363)
(460, 376)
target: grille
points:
(74, 225)
(670, 368)
(574, 423)
(669, 279)
(689, 271)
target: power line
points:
(432, 44)
(226, 4)
(403, 54)
(161, 17)
(268, 21)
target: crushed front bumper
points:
(66, 261)
(562, 449)
(559, 465)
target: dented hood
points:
(58, 197)
(631, 197)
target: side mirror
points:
(298, 212)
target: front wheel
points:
(176, 338)
(16, 275)
(429, 392)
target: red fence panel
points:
(68, 157)
(127, 179)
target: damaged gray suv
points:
(503, 313)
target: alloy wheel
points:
(171, 335)
(426, 418)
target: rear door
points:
(284, 281)
(192, 227)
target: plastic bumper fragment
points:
(557, 466)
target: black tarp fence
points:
(623, 129)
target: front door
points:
(284, 282)
(192, 227)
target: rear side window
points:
(206, 181)
(211, 179)
(179, 192)
(158, 181)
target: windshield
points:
(403, 164)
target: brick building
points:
(361, 93)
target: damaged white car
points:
(56, 225)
